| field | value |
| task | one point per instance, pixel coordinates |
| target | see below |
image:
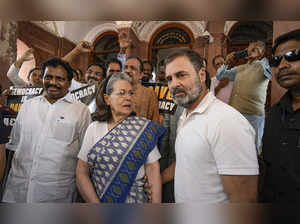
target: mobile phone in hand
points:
(240, 54)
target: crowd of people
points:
(128, 152)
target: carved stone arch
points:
(95, 32)
(168, 37)
(145, 30)
(228, 26)
(240, 33)
(105, 47)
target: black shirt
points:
(281, 153)
(3, 132)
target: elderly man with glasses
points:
(250, 84)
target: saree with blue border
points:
(115, 160)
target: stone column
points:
(127, 33)
(143, 50)
(8, 49)
(218, 47)
(200, 45)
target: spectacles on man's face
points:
(96, 73)
(290, 56)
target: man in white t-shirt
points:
(216, 157)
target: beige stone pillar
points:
(127, 33)
(8, 49)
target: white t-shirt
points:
(213, 140)
(98, 130)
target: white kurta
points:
(13, 76)
(46, 139)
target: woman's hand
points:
(148, 189)
(84, 183)
(154, 181)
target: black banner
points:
(165, 101)
(15, 99)
(19, 94)
(8, 121)
(86, 95)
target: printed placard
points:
(165, 101)
(86, 95)
(19, 94)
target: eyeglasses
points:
(290, 56)
(123, 93)
(96, 73)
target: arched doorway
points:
(166, 39)
(242, 33)
(105, 47)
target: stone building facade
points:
(151, 40)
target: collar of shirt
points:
(263, 60)
(202, 106)
(67, 98)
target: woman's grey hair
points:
(103, 112)
(116, 77)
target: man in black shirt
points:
(281, 141)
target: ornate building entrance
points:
(168, 38)
(106, 46)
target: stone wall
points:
(8, 49)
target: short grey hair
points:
(261, 45)
(116, 77)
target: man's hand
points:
(229, 58)
(84, 47)
(224, 82)
(3, 96)
(81, 47)
(161, 118)
(124, 42)
(241, 189)
(6, 92)
(27, 56)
